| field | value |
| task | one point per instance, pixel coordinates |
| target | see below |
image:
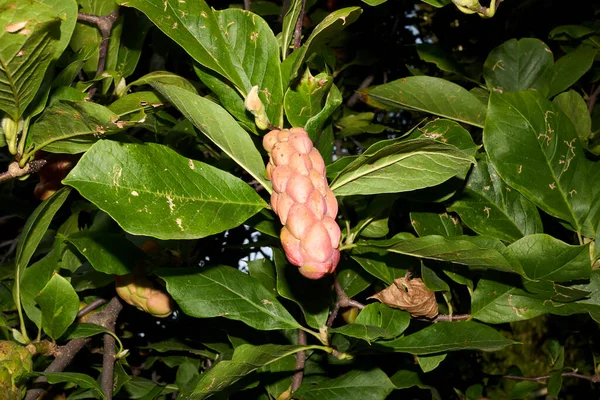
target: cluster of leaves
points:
(492, 198)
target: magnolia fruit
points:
(303, 201)
(141, 293)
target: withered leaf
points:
(409, 295)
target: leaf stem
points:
(593, 378)
(342, 301)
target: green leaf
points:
(499, 299)
(437, 3)
(430, 362)
(195, 27)
(306, 98)
(432, 281)
(575, 108)
(130, 48)
(328, 28)
(434, 54)
(490, 207)
(246, 359)
(534, 148)
(421, 162)
(263, 270)
(519, 65)
(427, 221)
(135, 102)
(227, 292)
(289, 26)
(352, 278)
(570, 68)
(366, 385)
(313, 297)
(383, 265)
(33, 281)
(83, 330)
(189, 198)
(450, 336)
(546, 258)
(59, 304)
(28, 35)
(367, 333)
(473, 251)
(109, 253)
(428, 94)
(391, 320)
(220, 127)
(68, 127)
(253, 43)
(166, 78)
(82, 380)
(316, 125)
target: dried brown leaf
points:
(409, 295)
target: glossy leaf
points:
(59, 304)
(356, 330)
(313, 297)
(430, 362)
(78, 379)
(570, 68)
(33, 281)
(490, 207)
(534, 148)
(220, 127)
(85, 329)
(263, 270)
(383, 265)
(391, 320)
(190, 198)
(164, 77)
(28, 47)
(575, 108)
(289, 26)
(428, 94)
(426, 221)
(306, 98)
(519, 65)
(246, 359)
(71, 128)
(432, 281)
(546, 258)
(366, 385)
(450, 336)
(352, 277)
(195, 27)
(225, 291)
(130, 48)
(421, 162)
(106, 252)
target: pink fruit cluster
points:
(303, 201)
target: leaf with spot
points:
(226, 292)
(428, 94)
(59, 304)
(519, 65)
(357, 384)
(70, 127)
(421, 162)
(490, 207)
(29, 39)
(151, 190)
(534, 148)
(450, 336)
(220, 127)
(434, 220)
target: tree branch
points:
(64, 355)
(300, 360)
(594, 378)
(90, 307)
(451, 317)
(14, 171)
(593, 97)
(298, 30)
(104, 23)
(342, 300)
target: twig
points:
(298, 30)
(108, 365)
(451, 317)
(342, 300)
(90, 307)
(594, 378)
(591, 101)
(247, 5)
(356, 96)
(104, 24)
(65, 354)
(300, 359)
(14, 171)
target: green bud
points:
(11, 132)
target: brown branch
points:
(594, 378)
(90, 307)
(64, 355)
(14, 171)
(593, 97)
(451, 317)
(247, 5)
(298, 30)
(300, 360)
(342, 300)
(108, 365)
(104, 23)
